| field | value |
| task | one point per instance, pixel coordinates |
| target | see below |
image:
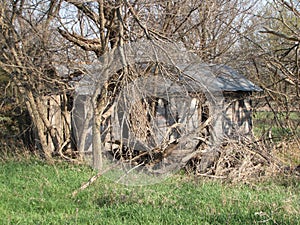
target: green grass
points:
(34, 192)
(264, 121)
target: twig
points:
(127, 172)
(212, 176)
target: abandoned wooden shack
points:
(152, 118)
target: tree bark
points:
(40, 128)
(97, 145)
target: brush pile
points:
(239, 161)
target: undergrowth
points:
(36, 192)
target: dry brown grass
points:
(288, 153)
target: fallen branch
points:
(92, 180)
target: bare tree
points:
(28, 54)
(283, 64)
(273, 62)
(283, 32)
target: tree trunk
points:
(97, 120)
(40, 128)
(51, 124)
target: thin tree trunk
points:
(82, 128)
(97, 145)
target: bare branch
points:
(84, 43)
(281, 35)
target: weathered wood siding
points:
(150, 122)
(238, 114)
(155, 121)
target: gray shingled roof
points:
(229, 79)
(214, 77)
(217, 77)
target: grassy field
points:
(284, 131)
(34, 192)
(282, 125)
